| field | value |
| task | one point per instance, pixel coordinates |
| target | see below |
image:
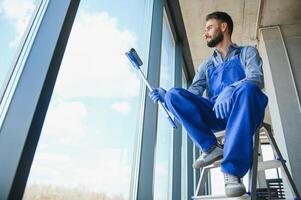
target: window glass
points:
(14, 18)
(164, 129)
(86, 146)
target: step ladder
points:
(279, 162)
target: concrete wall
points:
(280, 47)
(292, 40)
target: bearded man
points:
(234, 102)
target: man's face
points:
(213, 33)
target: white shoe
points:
(207, 158)
(233, 186)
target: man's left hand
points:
(222, 106)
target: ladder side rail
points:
(285, 172)
(253, 171)
(201, 185)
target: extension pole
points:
(136, 62)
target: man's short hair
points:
(223, 17)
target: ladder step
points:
(244, 197)
(268, 164)
(214, 165)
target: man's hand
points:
(222, 104)
(158, 94)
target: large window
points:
(164, 130)
(87, 142)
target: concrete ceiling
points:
(281, 12)
(247, 15)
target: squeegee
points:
(136, 62)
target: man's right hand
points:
(158, 94)
(222, 106)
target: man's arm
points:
(253, 67)
(198, 84)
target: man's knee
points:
(173, 94)
(248, 89)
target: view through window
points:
(86, 145)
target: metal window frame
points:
(139, 133)
(196, 172)
(25, 115)
(143, 181)
(12, 77)
(190, 170)
(26, 38)
(183, 61)
(171, 138)
(188, 156)
(175, 17)
(143, 187)
(176, 157)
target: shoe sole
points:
(208, 163)
(237, 194)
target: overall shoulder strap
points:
(239, 50)
(242, 55)
(208, 64)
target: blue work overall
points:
(195, 113)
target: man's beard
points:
(216, 40)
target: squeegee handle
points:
(145, 80)
(136, 62)
(173, 124)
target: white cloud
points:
(65, 122)
(122, 107)
(19, 13)
(161, 180)
(104, 171)
(48, 166)
(94, 64)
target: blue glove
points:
(158, 94)
(222, 106)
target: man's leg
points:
(248, 106)
(195, 114)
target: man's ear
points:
(224, 27)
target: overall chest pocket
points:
(232, 72)
(224, 74)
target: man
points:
(232, 78)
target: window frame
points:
(25, 115)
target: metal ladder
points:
(279, 162)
